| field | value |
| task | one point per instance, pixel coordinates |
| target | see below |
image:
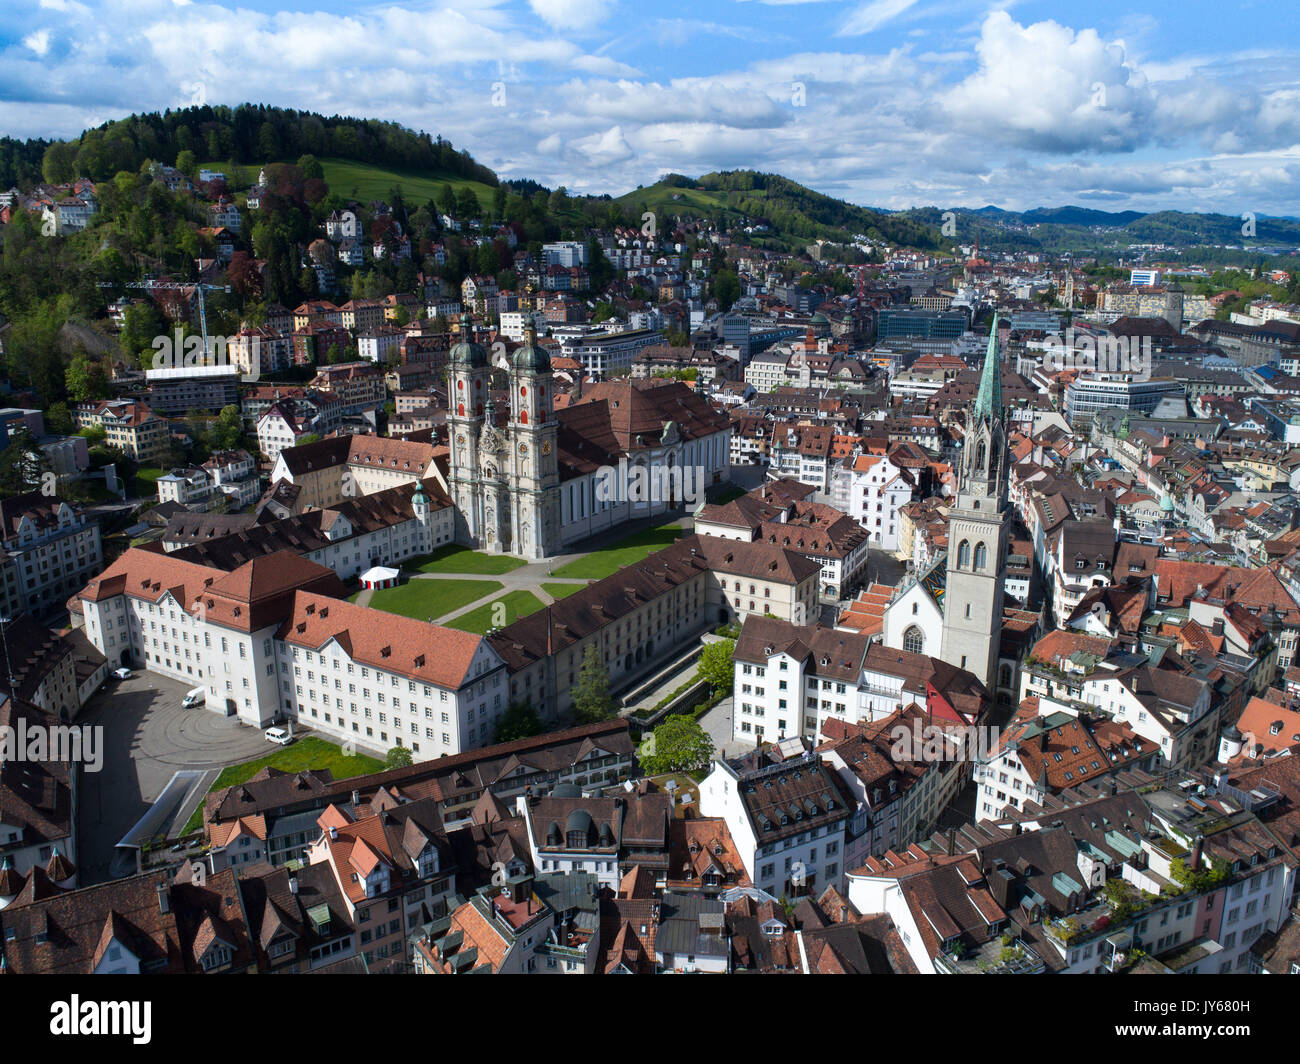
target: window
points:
(963, 554)
(981, 556)
(913, 640)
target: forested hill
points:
(247, 134)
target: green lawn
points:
(602, 563)
(145, 482)
(498, 613)
(430, 599)
(559, 591)
(457, 559)
(309, 752)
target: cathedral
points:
(505, 483)
(953, 610)
(625, 451)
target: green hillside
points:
(366, 182)
(794, 212)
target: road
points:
(147, 738)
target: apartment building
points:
(50, 549)
(129, 425)
(787, 812)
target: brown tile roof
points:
(70, 933)
(425, 652)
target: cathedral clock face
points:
(460, 440)
(523, 450)
(546, 447)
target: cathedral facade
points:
(505, 482)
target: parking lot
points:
(147, 738)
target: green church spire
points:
(988, 402)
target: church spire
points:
(988, 401)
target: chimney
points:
(952, 841)
(334, 833)
(293, 885)
(164, 899)
(356, 797)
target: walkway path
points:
(532, 576)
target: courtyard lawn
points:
(456, 559)
(498, 613)
(309, 752)
(559, 591)
(430, 599)
(602, 563)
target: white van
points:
(278, 735)
(195, 698)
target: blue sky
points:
(892, 103)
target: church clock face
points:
(523, 450)
(546, 447)
(460, 440)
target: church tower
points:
(467, 386)
(535, 484)
(979, 528)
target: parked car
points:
(279, 736)
(122, 674)
(195, 697)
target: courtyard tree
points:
(592, 702)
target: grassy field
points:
(308, 752)
(602, 563)
(508, 608)
(145, 482)
(361, 181)
(430, 599)
(456, 559)
(560, 591)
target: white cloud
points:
(571, 14)
(38, 42)
(871, 16)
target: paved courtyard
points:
(147, 738)
(717, 723)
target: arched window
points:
(963, 554)
(981, 556)
(981, 452)
(523, 417)
(914, 641)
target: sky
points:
(1128, 105)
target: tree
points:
(467, 205)
(519, 721)
(591, 698)
(311, 168)
(398, 757)
(21, 463)
(186, 163)
(58, 420)
(680, 745)
(716, 665)
(726, 288)
(228, 429)
(86, 379)
(447, 200)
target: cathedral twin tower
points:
(505, 483)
